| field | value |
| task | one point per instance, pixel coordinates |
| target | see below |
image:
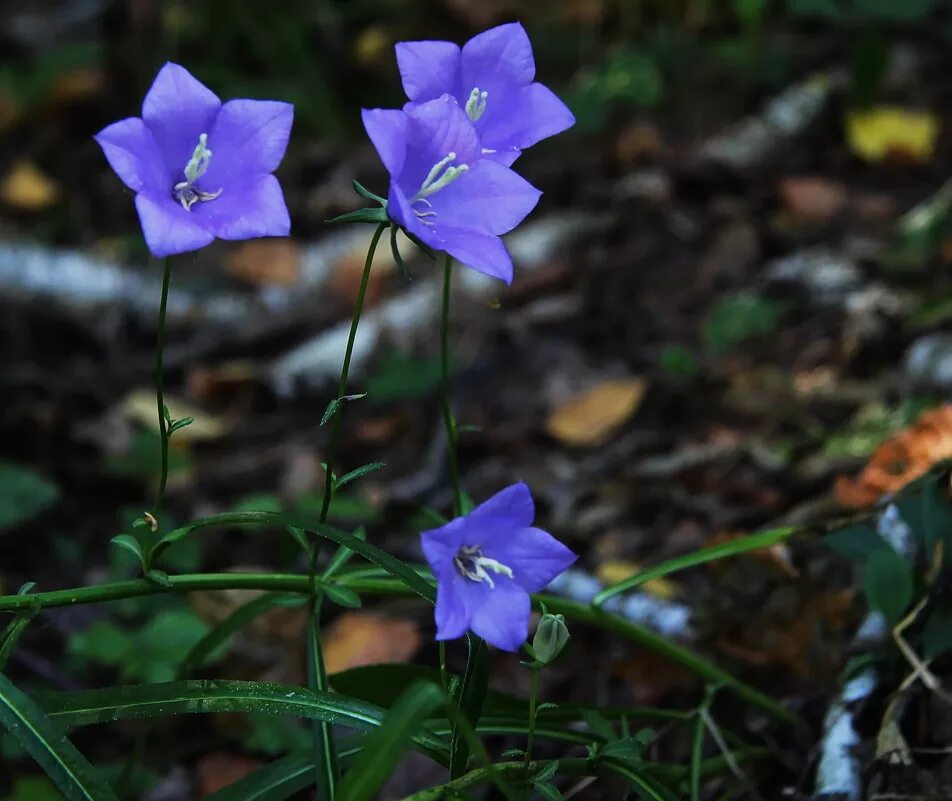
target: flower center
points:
(185, 192)
(476, 105)
(471, 564)
(441, 175)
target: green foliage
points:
(401, 376)
(45, 741)
(23, 494)
(678, 361)
(872, 10)
(151, 654)
(739, 318)
(626, 78)
(273, 735)
(888, 583)
(143, 458)
(34, 788)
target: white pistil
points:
(471, 564)
(185, 192)
(440, 175)
(476, 105)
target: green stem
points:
(325, 753)
(639, 635)
(159, 383)
(448, 420)
(533, 693)
(444, 673)
(344, 371)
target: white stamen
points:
(471, 564)
(434, 172)
(185, 192)
(476, 104)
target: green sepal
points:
(374, 216)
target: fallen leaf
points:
(265, 261)
(76, 85)
(139, 407)
(637, 141)
(777, 556)
(593, 416)
(892, 133)
(899, 460)
(26, 188)
(214, 772)
(220, 382)
(613, 571)
(812, 199)
(281, 624)
(652, 677)
(360, 638)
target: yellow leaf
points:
(25, 187)
(880, 133)
(139, 406)
(613, 571)
(355, 639)
(593, 416)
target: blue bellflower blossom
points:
(486, 564)
(442, 190)
(493, 78)
(201, 169)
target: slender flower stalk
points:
(449, 421)
(325, 762)
(533, 713)
(159, 397)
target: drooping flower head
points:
(487, 563)
(201, 169)
(493, 78)
(442, 190)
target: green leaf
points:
(160, 577)
(547, 773)
(237, 620)
(358, 472)
(888, 582)
(750, 12)
(47, 744)
(472, 695)
(274, 782)
(857, 542)
(893, 11)
(190, 697)
(401, 376)
(384, 748)
(342, 596)
(180, 424)
(34, 788)
(130, 544)
(548, 791)
(23, 494)
(738, 318)
(336, 403)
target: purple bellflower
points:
(201, 169)
(487, 563)
(441, 188)
(493, 78)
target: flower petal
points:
(536, 114)
(513, 505)
(479, 251)
(246, 211)
(440, 127)
(499, 57)
(441, 544)
(452, 613)
(428, 69)
(502, 617)
(177, 108)
(249, 138)
(534, 556)
(388, 129)
(167, 227)
(489, 196)
(131, 151)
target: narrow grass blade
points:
(48, 745)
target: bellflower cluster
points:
(448, 151)
(486, 564)
(201, 169)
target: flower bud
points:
(551, 636)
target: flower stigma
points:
(441, 175)
(471, 564)
(476, 105)
(185, 192)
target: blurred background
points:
(734, 289)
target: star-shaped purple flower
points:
(493, 79)
(487, 563)
(201, 169)
(442, 190)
